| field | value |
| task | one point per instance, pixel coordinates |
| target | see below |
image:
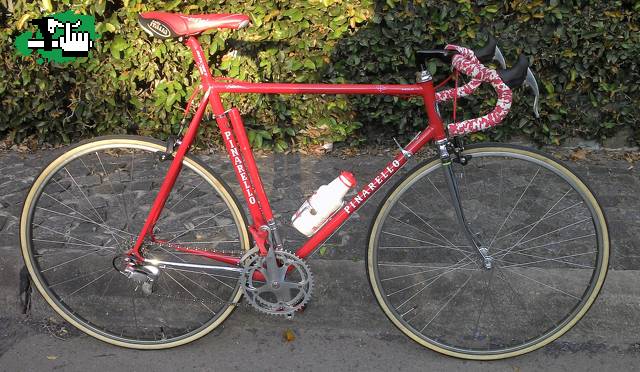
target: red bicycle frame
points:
(241, 156)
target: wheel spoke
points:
(540, 236)
(67, 235)
(451, 247)
(418, 230)
(185, 196)
(76, 278)
(198, 225)
(513, 209)
(213, 276)
(447, 303)
(433, 280)
(426, 223)
(86, 220)
(123, 205)
(104, 272)
(554, 259)
(201, 287)
(191, 294)
(543, 284)
(536, 223)
(554, 243)
(91, 204)
(75, 259)
(431, 269)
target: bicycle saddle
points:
(166, 25)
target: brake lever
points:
(531, 82)
(500, 58)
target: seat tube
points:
(250, 163)
(200, 60)
(236, 142)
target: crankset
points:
(279, 283)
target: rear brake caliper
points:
(172, 144)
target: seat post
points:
(200, 59)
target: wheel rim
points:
(69, 215)
(448, 286)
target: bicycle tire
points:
(92, 316)
(482, 341)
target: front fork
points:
(445, 150)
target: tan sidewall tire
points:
(144, 144)
(393, 195)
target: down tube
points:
(363, 195)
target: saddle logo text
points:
(160, 28)
(60, 37)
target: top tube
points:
(234, 86)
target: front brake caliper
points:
(456, 148)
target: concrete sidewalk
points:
(343, 328)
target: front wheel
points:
(542, 228)
(87, 208)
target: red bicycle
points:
(484, 252)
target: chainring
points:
(288, 292)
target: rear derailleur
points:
(144, 276)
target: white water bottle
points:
(316, 210)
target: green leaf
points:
(109, 27)
(294, 14)
(308, 64)
(117, 45)
(100, 6)
(491, 8)
(171, 99)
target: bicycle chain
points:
(172, 247)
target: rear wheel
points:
(542, 227)
(86, 209)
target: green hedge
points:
(584, 52)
